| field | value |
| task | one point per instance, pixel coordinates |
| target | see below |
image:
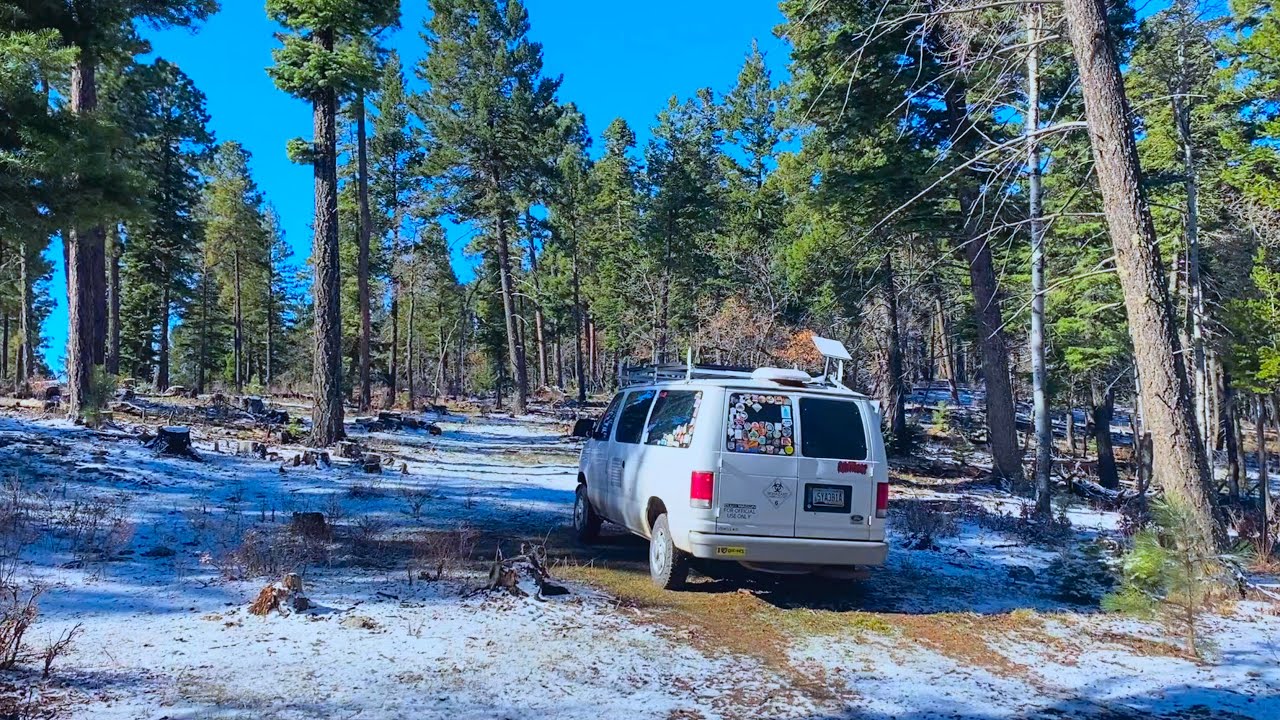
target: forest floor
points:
(976, 615)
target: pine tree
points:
(165, 118)
(487, 107)
(97, 29)
(682, 214)
(323, 60)
(569, 205)
(1181, 466)
(396, 157)
(612, 249)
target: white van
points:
(771, 468)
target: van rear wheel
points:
(668, 564)
(586, 523)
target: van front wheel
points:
(586, 523)
(668, 564)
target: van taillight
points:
(882, 499)
(701, 483)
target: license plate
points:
(731, 551)
(827, 498)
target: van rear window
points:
(831, 429)
(761, 424)
(672, 419)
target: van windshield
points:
(831, 429)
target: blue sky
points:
(618, 59)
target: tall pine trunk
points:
(988, 318)
(362, 265)
(237, 341)
(408, 346)
(1264, 482)
(162, 345)
(203, 362)
(114, 253)
(1039, 370)
(269, 353)
(26, 352)
(326, 377)
(892, 391)
(579, 368)
(1102, 412)
(1179, 463)
(86, 269)
(539, 321)
(515, 346)
(393, 370)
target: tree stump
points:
(173, 441)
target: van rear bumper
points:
(795, 551)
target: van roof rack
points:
(675, 372)
(669, 372)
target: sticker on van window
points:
(759, 424)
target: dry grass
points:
(743, 622)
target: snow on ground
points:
(148, 554)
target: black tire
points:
(668, 564)
(586, 523)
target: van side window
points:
(605, 426)
(831, 429)
(674, 412)
(761, 424)
(631, 421)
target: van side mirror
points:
(583, 428)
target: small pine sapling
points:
(1166, 576)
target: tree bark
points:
(1039, 370)
(86, 270)
(408, 346)
(362, 265)
(579, 368)
(237, 340)
(162, 346)
(326, 378)
(891, 391)
(539, 321)
(393, 369)
(988, 318)
(270, 305)
(26, 351)
(1231, 439)
(515, 347)
(203, 362)
(1264, 482)
(1103, 411)
(1180, 466)
(1181, 100)
(113, 301)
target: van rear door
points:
(756, 490)
(836, 484)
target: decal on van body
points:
(777, 492)
(737, 511)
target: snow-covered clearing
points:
(159, 558)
